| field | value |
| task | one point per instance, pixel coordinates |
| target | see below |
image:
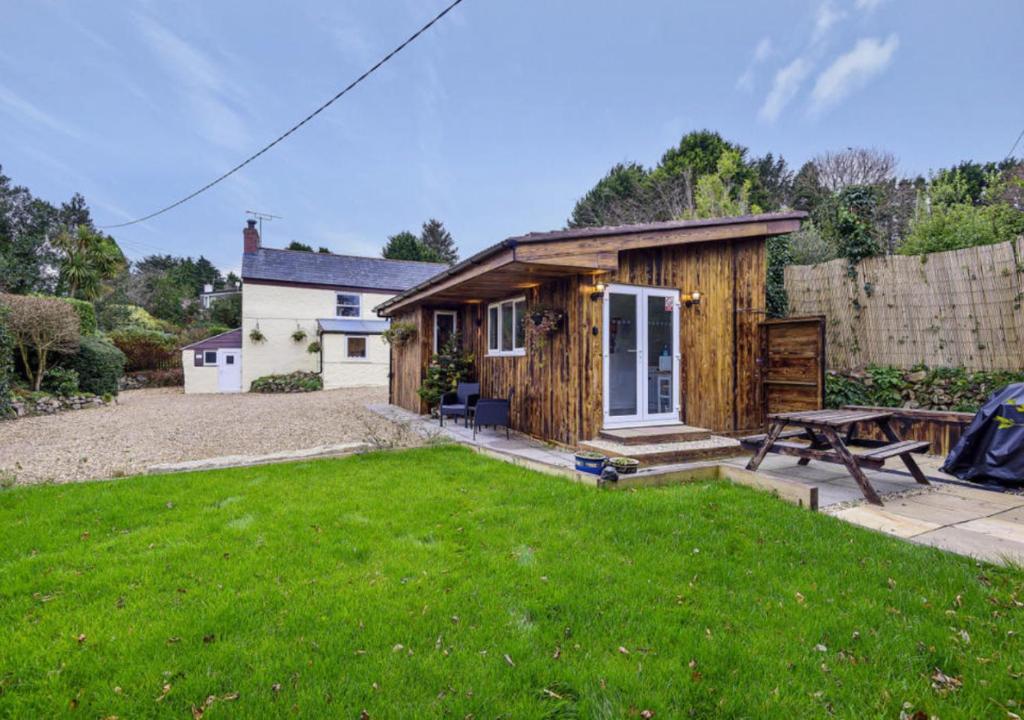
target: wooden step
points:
(670, 453)
(655, 435)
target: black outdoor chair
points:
(458, 404)
(493, 412)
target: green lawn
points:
(437, 583)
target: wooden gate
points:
(792, 364)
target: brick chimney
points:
(250, 237)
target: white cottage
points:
(306, 311)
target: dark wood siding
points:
(558, 392)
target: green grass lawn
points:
(438, 583)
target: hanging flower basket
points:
(257, 336)
(540, 324)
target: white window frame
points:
(516, 351)
(206, 359)
(338, 304)
(455, 323)
(366, 348)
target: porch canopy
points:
(528, 260)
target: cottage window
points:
(210, 357)
(355, 348)
(505, 331)
(347, 305)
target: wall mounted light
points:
(690, 299)
(598, 291)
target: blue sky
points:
(495, 122)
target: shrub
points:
(930, 389)
(99, 365)
(113, 316)
(446, 369)
(62, 381)
(86, 315)
(295, 382)
(952, 227)
(41, 328)
(173, 377)
(6, 364)
(147, 349)
(195, 333)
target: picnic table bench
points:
(830, 433)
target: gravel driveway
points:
(146, 427)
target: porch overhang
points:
(529, 260)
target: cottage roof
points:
(310, 268)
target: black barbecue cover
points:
(992, 446)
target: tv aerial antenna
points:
(261, 216)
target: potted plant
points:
(589, 461)
(625, 465)
(299, 335)
(256, 335)
(540, 324)
(314, 347)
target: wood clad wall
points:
(409, 361)
(558, 393)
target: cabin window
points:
(506, 334)
(355, 348)
(347, 305)
(210, 357)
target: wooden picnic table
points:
(831, 433)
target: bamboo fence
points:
(959, 308)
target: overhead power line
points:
(293, 128)
(1015, 143)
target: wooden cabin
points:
(656, 325)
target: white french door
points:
(641, 356)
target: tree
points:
(296, 245)
(854, 166)
(851, 225)
(772, 187)
(619, 198)
(698, 153)
(40, 327)
(27, 260)
(87, 259)
(227, 311)
(723, 193)
(436, 238)
(325, 250)
(406, 246)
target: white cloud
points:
(204, 86)
(762, 51)
(828, 15)
(19, 106)
(785, 86)
(852, 70)
(868, 5)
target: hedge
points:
(6, 364)
(86, 315)
(147, 349)
(295, 382)
(99, 365)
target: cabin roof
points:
(581, 242)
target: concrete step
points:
(668, 453)
(655, 435)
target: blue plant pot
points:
(594, 466)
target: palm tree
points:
(87, 259)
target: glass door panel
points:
(660, 356)
(623, 351)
